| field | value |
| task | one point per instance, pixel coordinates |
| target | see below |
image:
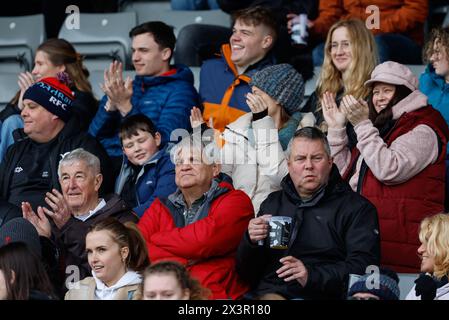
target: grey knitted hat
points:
(283, 83)
(21, 230)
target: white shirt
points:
(86, 216)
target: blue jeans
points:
(7, 127)
(194, 4)
(390, 47)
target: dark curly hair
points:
(440, 34)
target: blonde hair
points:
(364, 59)
(434, 233)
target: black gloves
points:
(425, 287)
(260, 115)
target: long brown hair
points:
(364, 59)
(126, 235)
(23, 272)
(61, 52)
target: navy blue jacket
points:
(166, 100)
(155, 179)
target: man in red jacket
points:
(202, 223)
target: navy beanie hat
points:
(21, 230)
(282, 83)
(53, 95)
(386, 289)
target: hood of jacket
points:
(266, 61)
(104, 292)
(414, 101)
(127, 169)
(183, 73)
(176, 203)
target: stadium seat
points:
(417, 69)
(446, 18)
(102, 38)
(8, 88)
(406, 283)
(196, 76)
(96, 78)
(19, 38)
(311, 83)
(161, 11)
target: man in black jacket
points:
(334, 230)
(76, 209)
(29, 168)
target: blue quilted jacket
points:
(166, 100)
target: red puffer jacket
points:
(207, 246)
(402, 207)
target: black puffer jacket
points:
(68, 139)
(334, 234)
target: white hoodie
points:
(103, 292)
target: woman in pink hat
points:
(398, 161)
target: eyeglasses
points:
(345, 46)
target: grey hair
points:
(91, 160)
(202, 142)
(310, 133)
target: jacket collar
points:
(104, 292)
(437, 79)
(183, 73)
(268, 60)
(414, 101)
(218, 187)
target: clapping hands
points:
(334, 117)
(351, 109)
(356, 110)
(60, 213)
(118, 91)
